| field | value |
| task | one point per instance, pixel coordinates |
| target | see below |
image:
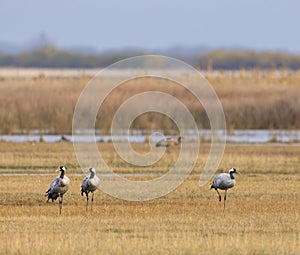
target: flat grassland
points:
(261, 217)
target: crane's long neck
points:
(62, 174)
(231, 175)
(92, 175)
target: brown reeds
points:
(251, 100)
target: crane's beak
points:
(57, 170)
(238, 172)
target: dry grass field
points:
(261, 217)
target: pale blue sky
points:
(258, 24)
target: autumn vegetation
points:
(261, 217)
(251, 100)
(262, 210)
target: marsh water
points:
(236, 136)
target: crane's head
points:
(233, 171)
(92, 170)
(62, 169)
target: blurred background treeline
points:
(226, 59)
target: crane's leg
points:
(219, 195)
(60, 203)
(87, 201)
(92, 201)
(225, 198)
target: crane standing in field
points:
(58, 187)
(224, 181)
(169, 141)
(90, 184)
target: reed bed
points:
(251, 100)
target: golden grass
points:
(261, 217)
(44, 157)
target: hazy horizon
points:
(257, 25)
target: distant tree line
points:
(51, 57)
(237, 59)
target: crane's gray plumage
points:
(90, 184)
(58, 187)
(224, 181)
(169, 141)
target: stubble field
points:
(261, 217)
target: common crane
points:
(169, 141)
(58, 187)
(224, 181)
(90, 184)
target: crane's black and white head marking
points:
(92, 170)
(62, 168)
(232, 170)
